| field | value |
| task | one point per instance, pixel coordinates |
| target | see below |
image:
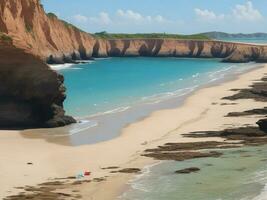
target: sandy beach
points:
(28, 160)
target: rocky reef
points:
(31, 93)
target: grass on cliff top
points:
(5, 38)
(105, 35)
(67, 24)
(51, 15)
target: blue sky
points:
(171, 16)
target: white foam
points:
(69, 65)
(82, 126)
(135, 182)
(116, 110)
(157, 98)
(79, 127)
(102, 58)
(60, 66)
(262, 195)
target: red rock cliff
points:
(56, 41)
(46, 36)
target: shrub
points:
(5, 38)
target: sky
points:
(170, 16)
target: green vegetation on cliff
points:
(51, 15)
(5, 38)
(105, 35)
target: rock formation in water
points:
(31, 94)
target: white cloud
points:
(207, 15)
(135, 17)
(102, 19)
(80, 18)
(246, 12)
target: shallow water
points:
(234, 176)
(113, 84)
(108, 94)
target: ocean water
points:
(246, 40)
(235, 176)
(117, 83)
(105, 95)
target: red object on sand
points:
(87, 173)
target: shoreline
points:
(95, 128)
(201, 110)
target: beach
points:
(30, 160)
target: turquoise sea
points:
(117, 83)
(108, 94)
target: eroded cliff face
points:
(31, 94)
(41, 34)
(56, 41)
(228, 51)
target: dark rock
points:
(129, 171)
(187, 170)
(31, 93)
(262, 125)
(181, 156)
(262, 111)
(112, 167)
(257, 91)
(187, 146)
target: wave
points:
(103, 58)
(135, 182)
(157, 98)
(262, 195)
(82, 126)
(69, 65)
(116, 110)
(259, 177)
(79, 127)
(60, 66)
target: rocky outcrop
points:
(31, 93)
(43, 34)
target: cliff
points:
(31, 93)
(41, 34)
(56, 41)
(228, 51)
